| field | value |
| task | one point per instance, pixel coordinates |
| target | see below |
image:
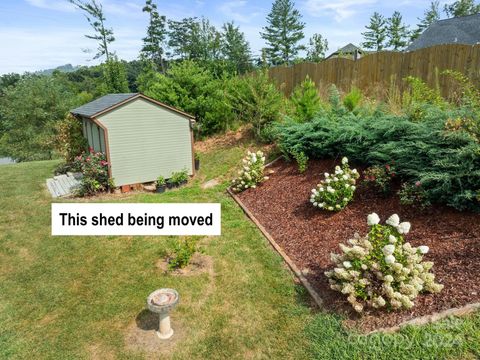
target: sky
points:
(44, 34)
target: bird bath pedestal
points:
(161, 302)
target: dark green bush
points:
(446, 162)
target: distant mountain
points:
(62, 68)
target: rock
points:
(150, 188)
(209, 184)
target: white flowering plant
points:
(336, 190)
(252, 172)
(381, 270)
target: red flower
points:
(418, 183)
(104, 163)
(87, 159)
(387, 167)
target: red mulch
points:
(308, 235)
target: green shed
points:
(141, 137)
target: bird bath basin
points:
(161, 302)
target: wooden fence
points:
(380, 71)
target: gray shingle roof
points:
(101, 104)
(459, 30)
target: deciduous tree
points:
(235, 48)
(317, 47)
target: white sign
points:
(136, 219)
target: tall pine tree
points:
(235, 48)
(317, 47)
(283, 32)
(153, 43)
(431, 15)
(397, 32)
(461, 8)
(96, 18)
(376, 35)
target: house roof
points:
(111, 101)
(347, 49)
(460, 30)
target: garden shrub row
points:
(446, 162)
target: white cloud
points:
(59, 5)
(231, 9)
(340, 9)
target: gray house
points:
(460, 30)
(141, 137)
(349, 51)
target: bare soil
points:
(199, 264)
(308, 235)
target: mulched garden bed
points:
(308, 235)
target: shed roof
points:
(101, 104)
(459, 30)
(111, 101)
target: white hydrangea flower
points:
(392, 239)
(404, 227)
(330, 189)
(389, 259)
(423, 249)
(344, 160)
(347, 264)
(330, 208)
(353, 187)
(388, 249)
(373, 219)
(326, 175)
(393, 220)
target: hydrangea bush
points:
(252, 172)
(336, 191)
(381, 269)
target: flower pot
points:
(160, 189)
(197, 164)
(171, 185)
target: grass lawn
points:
(80, 297)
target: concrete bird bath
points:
(161, 302)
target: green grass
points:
(77, 297)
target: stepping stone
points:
(210, 184)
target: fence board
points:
(380, 70)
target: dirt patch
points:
(141, 335)
(229, 138)
(199, 264)
(99, 352)
(308, 236)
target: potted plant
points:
(177, 179)
(161, 184)
(197, 162)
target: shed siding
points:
(94, 135)
(146, 141)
